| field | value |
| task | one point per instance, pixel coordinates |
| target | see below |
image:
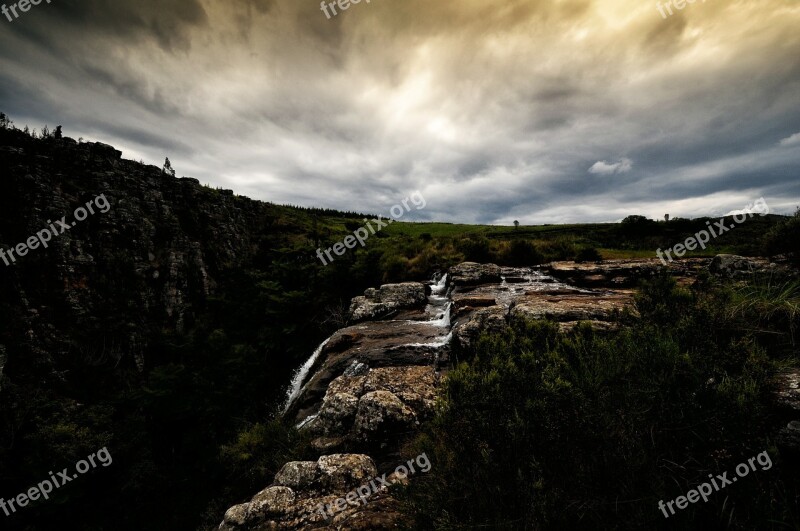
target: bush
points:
(785, 238)
(588, 254)
(521, 253)
(546, 430)
(475, 249)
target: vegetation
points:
(539, 429)
(195, 430)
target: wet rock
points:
(463, 301)
(377, 344)
(786, 390)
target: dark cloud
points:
(494, 110)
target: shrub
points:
(588, 254)
(539, 429)
(521, 253)
(784, 238)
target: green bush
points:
(545, 430)
(784, 238)
(588, 254)
(521, 253)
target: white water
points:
(443, 320)
(437, 301)
(438, 288)
(439, 343)
(300, 375)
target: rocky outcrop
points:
(471, 273)
(622, 273)
(146, 266)
(574, 306)
(375, 344)
(378, 303)
(368, 410)
(485, 320)
(737, 267)
(485, 305)
(301, 489)
(786, 395)
(377, 380)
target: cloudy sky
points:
(544, 111)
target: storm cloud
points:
(496, 110)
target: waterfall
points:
(439, 287)
(443, 320)
(300, 376)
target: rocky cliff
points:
(158, 249)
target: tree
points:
(516, 224)
(168, 168)
(5, 121)
(57, 133)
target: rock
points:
(573, 307)
(236, 515)
(3, 359)
(389, 298)
(272, 501)
(336, 415)
(341, 473)
(297, 474)
(471, 273)
(479, 301)
(621, 273)
(351, 408)
(104, 150)
(375, 344)
(730, 265)
(786, 390)
(380, 413)
(314, 482)
(467, 331)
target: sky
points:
(494, 110)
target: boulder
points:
(471, 273)
(381, 413)
(489, 320)
(730, 265)
(378, 303)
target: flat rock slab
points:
(622, 273)
(572, 307)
